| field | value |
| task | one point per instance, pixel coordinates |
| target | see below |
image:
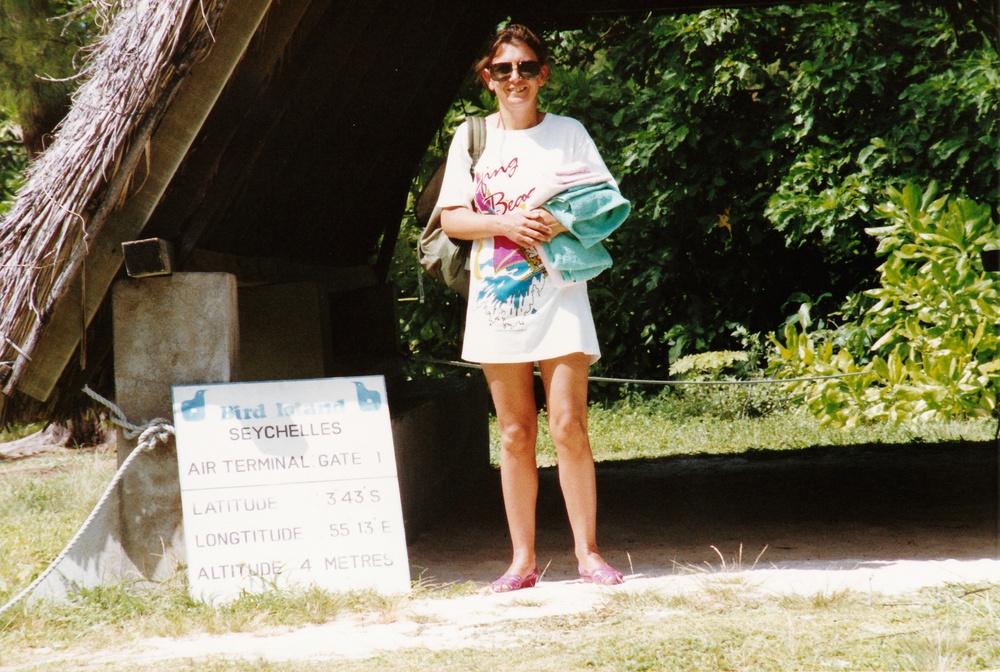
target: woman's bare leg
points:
(512, 388)
(565, 380)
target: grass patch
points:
(15, 432)
(631, 431)
(933, 630)
(421, 587)
(43, 501)
(93, 619)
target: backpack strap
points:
(477, 139)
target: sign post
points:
(289, 483)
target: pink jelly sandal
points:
(510, 582)
(605, 575)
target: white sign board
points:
(289, 483)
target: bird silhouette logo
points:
(368, 400)
(193, 410)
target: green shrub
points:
(934, 323)
(733, 397)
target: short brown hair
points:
(512, 34)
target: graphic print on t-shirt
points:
(512, 275)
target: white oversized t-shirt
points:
(515, 312)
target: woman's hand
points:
(525, 228)
(530, 227)
(555, 226)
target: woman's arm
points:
(523, 227)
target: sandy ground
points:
(485, 620)
(878, 519)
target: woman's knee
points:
(569, 432)
(519, 437)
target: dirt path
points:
(484, 620)
(822, 505)
(884, 519)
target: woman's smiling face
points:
(516, 93)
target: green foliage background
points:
(40, 52)
(757, 146)
(42, 44)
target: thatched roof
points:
(252, 130)
(90, 168)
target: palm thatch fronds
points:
(92, 165)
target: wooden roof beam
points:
(167, 146)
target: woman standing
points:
(517, 314)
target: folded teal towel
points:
(591, 213)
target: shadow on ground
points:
(836, 505)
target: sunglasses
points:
(501, 72)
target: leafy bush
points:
(707, 365)
(756, 143)
(934, 323)
(721, 402)
(719, 386)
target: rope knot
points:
(155, 432)
(158, 431)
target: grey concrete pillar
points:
(170, 330)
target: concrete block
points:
(171, 330)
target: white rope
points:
(155, 432)
(635, 381)
(598, 379)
